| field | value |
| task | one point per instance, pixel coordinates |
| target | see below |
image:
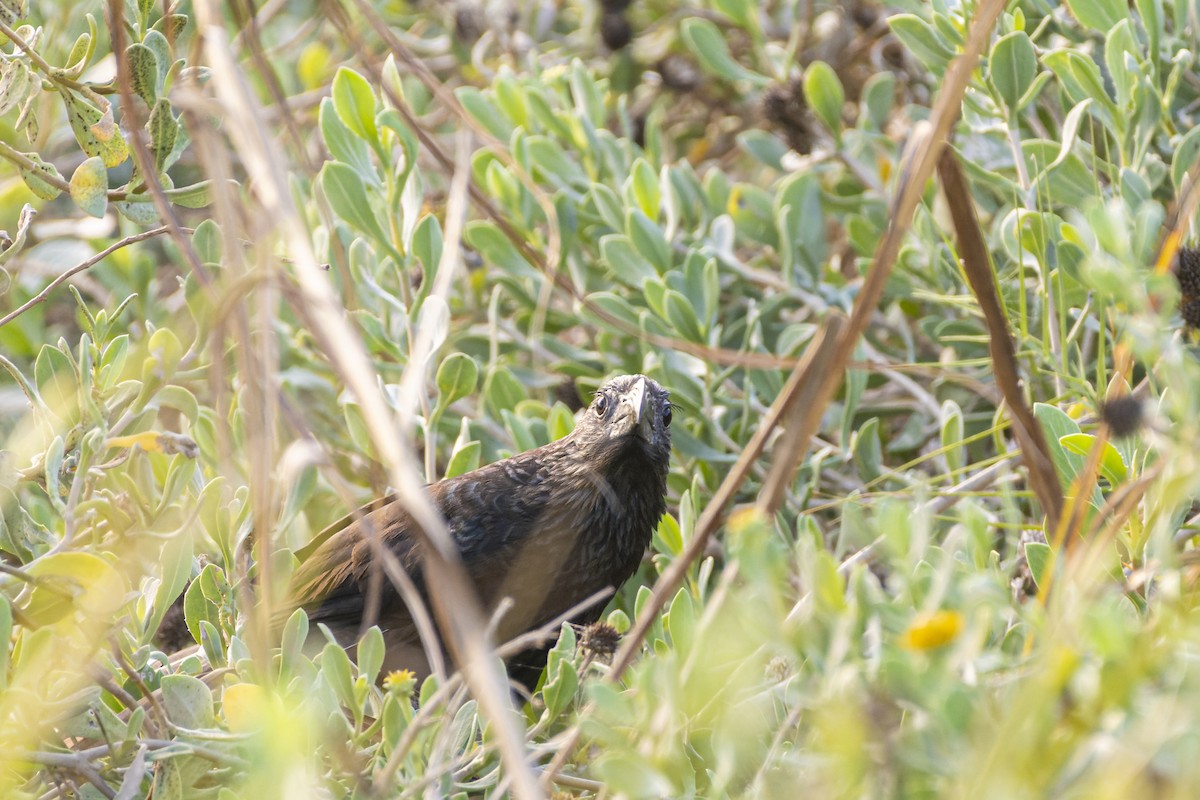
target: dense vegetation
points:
(265, 263)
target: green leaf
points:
(485, 112)
(89, 187)
(559, 422)
(1187, 152)
(81, 51)
(34, 180)
(648, 239)
(562, 680)
(496, 248)
(295, 632)
(616, 250)
(370, 653)
(168, 780)
(176, 562)
(708, 45)
(464, 459)
(1112, 466)
(21, 236)
(922, 40)
(427, 244)
(73, 581)
(208, 242)
(140, 212)
(681, 621)
(743, 13)
(633, 775)
(188, 702)
(15, 84)
(1081, 78)
(392, 120)
(503, 391)
(608, 206)
(644, 186)
(354, 100)
(613, 305)
(57, 380)
(766, 147)
(1122, 52)
(348, 198)
(457, 377)
(1012, 67)
(163, 130)
(868, 451)
(197, 608)
(1039, 557)
(1056, 425)
(825, 95)
(335, 666)
(682, 316)
(143, 72)
(343, 145)
(952, 435)
(878, 96)
(6, 621)
(1100, 15)
(161, 47)
(197, 195)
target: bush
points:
(328, 249)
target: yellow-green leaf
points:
(89, 186)
(1112, 466)
(73, 580)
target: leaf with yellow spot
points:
(94, 127)
(931, 631)
(89, 187)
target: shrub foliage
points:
(266, 263)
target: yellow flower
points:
(401, 682)
(931, 631)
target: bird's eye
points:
(601, 405)
(667, 417)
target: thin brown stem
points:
(44, 294)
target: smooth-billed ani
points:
(547, 528)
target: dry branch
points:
(977, 266)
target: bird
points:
(547, 529)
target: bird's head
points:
(630, 411)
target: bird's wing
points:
(327, 582)
(486, 511)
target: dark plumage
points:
(547, 528)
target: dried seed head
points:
(1190, 311)
(616, 31)
(1123, 415)
(600, 638)
(784, 106)
(678, 73)
(1187, 270)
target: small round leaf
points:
(89, 187)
